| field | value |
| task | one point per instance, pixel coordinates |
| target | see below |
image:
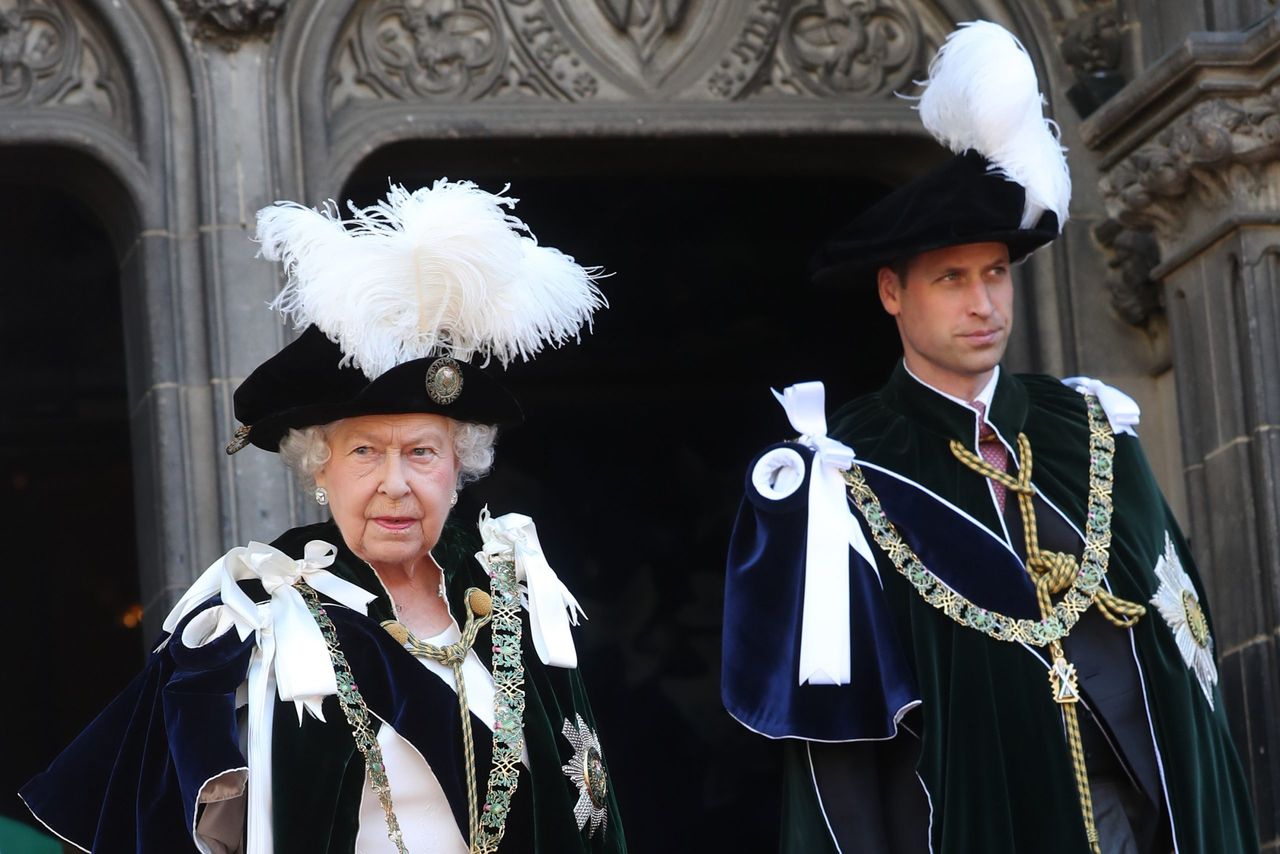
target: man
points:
(968, 611)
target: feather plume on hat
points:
(444, 270)
(982, 94)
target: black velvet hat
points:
(963, 201)
(306, 384)
(1008, 182)
(399, 303)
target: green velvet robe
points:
(993, 753)
(318, 764)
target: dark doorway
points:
(636, 442)
(69, 619)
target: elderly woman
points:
(370, 683)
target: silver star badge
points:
(586, 770)
(1179, 604)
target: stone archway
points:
(108, 86)
(90, 100)
(536, 68)
(65, 461)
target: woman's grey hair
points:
(305, 450)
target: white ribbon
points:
(552, 608)
(824, 630)
(289, 656)
(778, 473)
(1122, 411)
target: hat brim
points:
(964, 201)
(1020, 242)
(305, 385)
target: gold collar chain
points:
(1085, 581)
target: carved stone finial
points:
(230, 20)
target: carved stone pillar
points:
(231, 47)
(1191, 157)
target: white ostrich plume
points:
(982, 94)
(444, 270)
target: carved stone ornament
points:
(1215, 153)
(866, 48)
(1131, 256)
(231, 19)
(1093, 42)
(448, 50)
(51, 57)
(626, 50)
(1093, 46)
(645, 22)
(614, 50)
(641, 45)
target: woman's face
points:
(390, 479)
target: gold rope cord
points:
(1076, 746)
(1054, 572)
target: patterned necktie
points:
(992, 450)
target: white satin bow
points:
(824, 629)
(301, 671)
(304, 672)
(552, 608)
(1122, 411)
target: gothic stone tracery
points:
(51, 55)
(463, 51)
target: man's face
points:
(954, 313)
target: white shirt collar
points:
(985, 396)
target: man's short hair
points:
(899, 267)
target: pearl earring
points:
(322, 497)
(453, 500)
